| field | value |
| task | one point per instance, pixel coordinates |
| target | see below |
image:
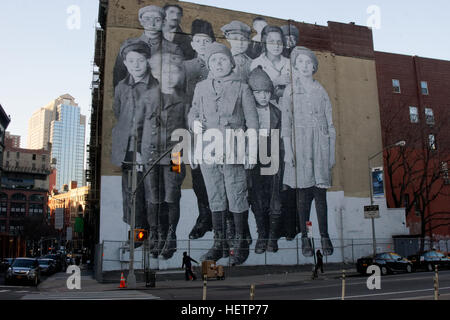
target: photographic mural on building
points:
(259, 88)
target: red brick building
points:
(414, 102)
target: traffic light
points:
(176, 162)
(140, 235)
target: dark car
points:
(428, 259)
(5, 264)
(48, 266)
(60, 264)
(388, 262)
(24, 269)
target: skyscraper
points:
(61, 127)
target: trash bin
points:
(150, 279)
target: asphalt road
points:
(413, 286)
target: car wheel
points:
(409, 268)
(384, 270)
(430, 267)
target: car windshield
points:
(44, 262)
(395, 256)
(19, 263)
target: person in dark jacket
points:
(188, 266)
(319, 263)
(172, 31)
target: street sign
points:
(371, 212)
(309, 228)
(59, 218)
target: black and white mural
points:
(252, 123)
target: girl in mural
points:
(223, 102)
(309, 139)
(196, 71)
(238, 35)
(165, 110)
(126, 134)
(272, 61)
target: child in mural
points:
(238, 35)
(196, 71)
(273, 62)
(256, 46)
(223, 102)
(126, 134)
(309, 139)
(265, 189)
(151, 19)
(165, 110)
(291, 36)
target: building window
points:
(7, 164)
(33, 165)
(7, 154)
(19, 196)
(429, 116)
(3, 209)
(18, 155)
(34, 156)
(432, 142)
(396, 86)
(424, 87)
(43, 158)
(414, 114)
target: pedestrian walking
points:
(188, 266)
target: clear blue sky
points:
(41, 58)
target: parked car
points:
(24, 269)
(5, 264)
(48, 266)
(428, 259)
(60, 264)
(388, 262)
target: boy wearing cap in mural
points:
(126, 134)
(265, 189)
(291, 35)
(238, 35)
(165, 110)
(196, 71)
(224, 102)
(309, 139)
(151, 19)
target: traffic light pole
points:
(131, 279)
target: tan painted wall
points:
(350, 82)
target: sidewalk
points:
(234, 277)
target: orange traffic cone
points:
(122, 281)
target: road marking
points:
(383, 294)
(3, 291)
(104, 295)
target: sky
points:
(47, 46)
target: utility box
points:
(210, 270)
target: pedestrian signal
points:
(176, 162)
(140, 235)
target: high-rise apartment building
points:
(60, 127)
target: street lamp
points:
(401, 143)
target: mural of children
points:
(265, 189)
(238, 35)
(272, 61)
(223, 102)
(256, 47)
(128, 113)
(196, 71)
(151, 19)
(309, 139)
(291, 36)
(165, 110)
